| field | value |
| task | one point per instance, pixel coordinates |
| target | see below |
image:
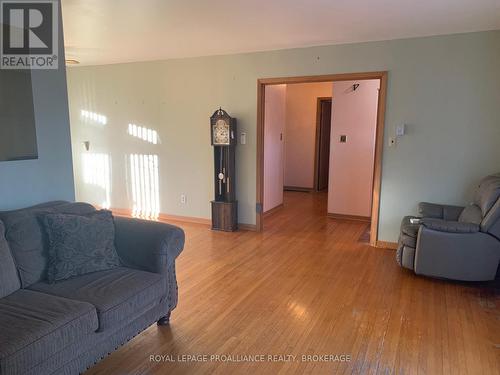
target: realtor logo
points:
(29, 34)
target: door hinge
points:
(258, 208)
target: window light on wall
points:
(97, 172)
(147, 135)
(145, 186)
(94, 117)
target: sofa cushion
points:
(80, 244)
(471, 214)
(23, 232)
(118, 294)
(26, 238)
(488, 193)
(34, 326)
(9, 281)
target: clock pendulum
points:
(223, 137)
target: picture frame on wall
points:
(18, 140)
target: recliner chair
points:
(451, 242)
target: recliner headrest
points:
(488, 193)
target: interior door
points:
(274, 128)
(324, 143)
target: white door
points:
(274, 129)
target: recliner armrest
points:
(147, 245)
(456, 256)
(450, 226)
(439, 211)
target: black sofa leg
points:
(164, 320)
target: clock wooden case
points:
(225, 205)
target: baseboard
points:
(248, 227)
(165, 217)
(273, 210)
(387, 245)
(366, 219)
(120, 211)
(298, 188)
(183, 219)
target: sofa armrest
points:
(147, 245)
(450, 226)
(439, 211)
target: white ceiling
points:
(113, 31)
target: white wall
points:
(354, 114)
(274, 129)
(446, 88)
(300, 139)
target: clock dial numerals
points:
(221, 132)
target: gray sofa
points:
(66, 327)
(452, 242)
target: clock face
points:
(221, 133)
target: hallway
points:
(310, 286)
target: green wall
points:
(446, 88)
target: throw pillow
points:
(80, 244)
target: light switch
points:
(243, 138)
(400, 130)
(343, 138)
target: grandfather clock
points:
(224, 206)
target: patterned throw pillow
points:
(80, 244)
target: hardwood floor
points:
(311, 285)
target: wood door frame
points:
(379, 139)
(319, 100)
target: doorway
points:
(291, 134)
(323, 131)
(381, 77)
